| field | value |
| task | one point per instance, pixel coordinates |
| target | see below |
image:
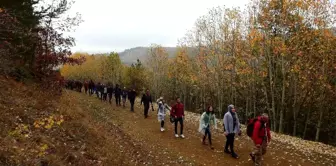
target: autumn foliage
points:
(32, 44)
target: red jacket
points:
(177, 110)
(259, 133)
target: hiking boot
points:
(252, 157)
(182, 136)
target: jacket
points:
(132, 95)
(205, 121)
(228, 123)
(177, 110)
(146, 99)
(260, 133)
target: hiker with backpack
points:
(231, 128)
(207, 118)
(177, 112)
(258, 129)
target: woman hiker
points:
(231, 128)
(208, 118)
(162, 112)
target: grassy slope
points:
(96, 133)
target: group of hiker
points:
(104, 91)
(257, 129)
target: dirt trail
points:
(138, 141)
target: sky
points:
(116, 25)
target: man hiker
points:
(91, 87)
(261, 136)
(231, 128)
(86, 86)
(131, 97)
(177, 111)
(124, 96)
(117, 95)
(208, 118)
(146, 100)
(98, 87)
(109, 92)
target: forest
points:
(276, 56)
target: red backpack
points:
(250, 126)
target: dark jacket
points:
(117, 91)
(146, 99)
(124, 94)
(110, 90)
(131, 95)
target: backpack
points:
(250, 126)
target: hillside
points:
(40, 128)
(131, 55)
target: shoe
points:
(211, 147)
(182, 136)
(234, 155)
(227, 151)
(176, 135)
(161, 129)
(252, 157)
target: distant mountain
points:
(131, 55)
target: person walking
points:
(124, 97)
(177, 111)
(131, 97)
(86, 86)
(207, 118)
(147, 101)
(261, 137)
(105, 92)
(162, 108)
(110, 92)
(117, 95)
(231, 128)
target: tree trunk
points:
(318, 127)
(306, 124)
(282, 96)
(294, 109)
(246, 109)
(271, 83)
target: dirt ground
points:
(129, 139)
